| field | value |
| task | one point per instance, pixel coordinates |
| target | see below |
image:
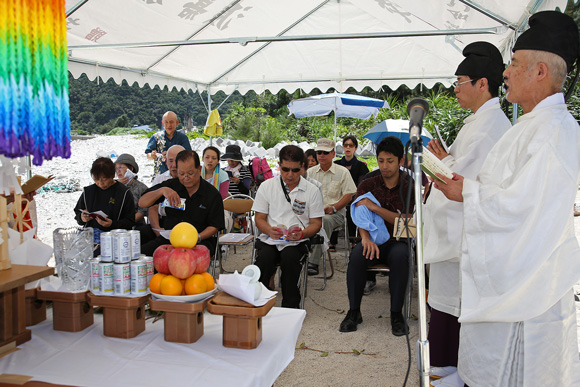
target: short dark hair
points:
(311, 152)
(351, 138)
(292, 153)
(103, 167)
(492, 87)
(185, 155)
(212, 148)
(392, 145)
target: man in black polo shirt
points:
(395, 254)
(204, 207)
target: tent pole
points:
(209, 110)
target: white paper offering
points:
(239, 286)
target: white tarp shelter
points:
(212, 45)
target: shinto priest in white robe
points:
(443, 218)
(521, 258)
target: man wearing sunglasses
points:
(479, 77)
(288, 211)
(337, 190)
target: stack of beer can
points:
(121, 269)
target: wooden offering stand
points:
(13, 302)
(35, 308)
(183, 322)
(71, 312)
(242, 325)
(123, 317)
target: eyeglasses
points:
(294, 170)
(350, 145)
(457, 83)
(322, 153)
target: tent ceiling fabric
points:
(289, 65)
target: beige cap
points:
(324, 144)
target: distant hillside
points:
(96, 108)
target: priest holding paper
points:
(479, 77)
(520, 257)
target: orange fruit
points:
(155, 283)
(195, 284)
(183, 235)
(183, 289)
(171, 286)
(208, 280)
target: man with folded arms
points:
(520, 256)
(479, 77)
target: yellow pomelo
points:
(183, 235)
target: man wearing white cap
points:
(337, 190)
(520, 255)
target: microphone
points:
(417, 109)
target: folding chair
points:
(242, 205)
(347, 249)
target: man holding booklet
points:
(520, 257)
(479, 77)
(288, 210)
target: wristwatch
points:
(333, 209)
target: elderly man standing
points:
(337, 190)
(520, 255)
(479, 77)
(202, 203)
(161, 141)
(288, 200)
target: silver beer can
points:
(106, 247)
(135, 236)
(139, 282)
(122, 242)
(106, 277)
(122, 279)
(95, 285)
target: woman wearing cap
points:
(108, 196)
(126, 168)
(212, 172)
(240, 177)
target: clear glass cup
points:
(73, 248)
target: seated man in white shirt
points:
(286, 200)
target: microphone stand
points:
(423, 363)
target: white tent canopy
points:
(286, 44)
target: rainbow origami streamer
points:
(34, 106)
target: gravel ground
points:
(384, 357)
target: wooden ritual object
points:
(71, 312)
(123, 317)
(183, 322)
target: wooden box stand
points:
(242, 326)
(123, 317)
(183, 322)
(35, 308)
(71, 312)
(13, 301)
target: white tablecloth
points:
(88, 358)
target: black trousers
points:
(290, 260)
(443, 339)
(396, 256)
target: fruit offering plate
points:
(188, 298)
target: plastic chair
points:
(242, 205)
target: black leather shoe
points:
(398, 325)
(312, 269)
(351, 321)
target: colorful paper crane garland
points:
(34, 107)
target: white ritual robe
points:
(521, 258)
(443, 218)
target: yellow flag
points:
(213, 126)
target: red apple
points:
(203, 258)
(161, 258)
(182, 262)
